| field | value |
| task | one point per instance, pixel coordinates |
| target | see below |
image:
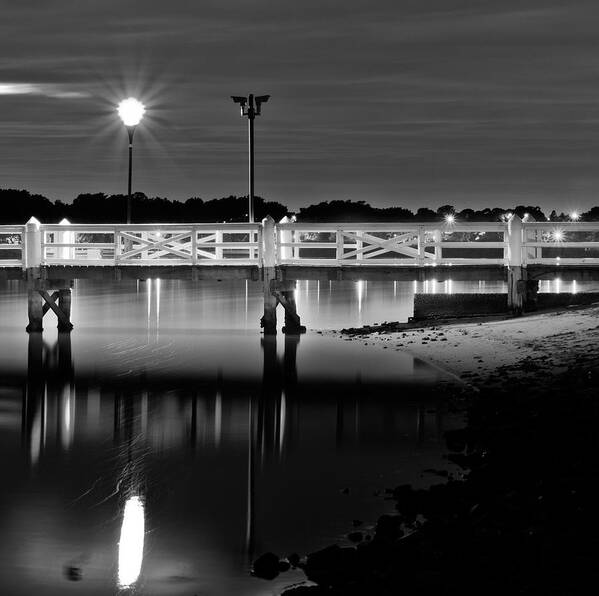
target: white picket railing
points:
(334, 244)
(564, 243)
(11, 246)
(391, 244)
(150, 244)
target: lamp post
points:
(251, 110)
(131, 111)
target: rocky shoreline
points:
(524, 518)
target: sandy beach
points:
(492, 352)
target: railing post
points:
(438, 249)
(516, 276)
(285, 237)
(32, 261)
(117, 246)
(194, 245)
(33, 248)
(421, 245)
(359, 245)
(269, 259)
(66, 237)
(218, 250)
(340, 241)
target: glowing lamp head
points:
(557, 235)
(574, 216)
(131, 111)
(449, 218)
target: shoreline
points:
(523, 519)
(478, 349)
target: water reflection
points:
(197, 475)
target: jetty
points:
(49, 257)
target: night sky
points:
(396, 102)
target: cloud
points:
(45, 90)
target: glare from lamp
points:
(131, 111)
(449, 218)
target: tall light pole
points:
(251, 110)
(131, 111)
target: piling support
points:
(269, 319)
(34, 311)
(516, 274)
(64, 305)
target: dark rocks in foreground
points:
(524, 521)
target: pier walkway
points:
(50, 256)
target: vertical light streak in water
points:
(558, 285)
(574, 288)
(218, 418)
(246, 302)
(450, 286)
(433, 286)
(360, 293)
(131, 543)
(68, 415)
(157, 307)
(318, 296)
(394, 289)
(282, 423)
(149, 306)
(415, 286)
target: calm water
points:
(163, 443)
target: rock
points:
(355, 536)
(356, 523)
(332, 566)
(266, 566)
(284, 565)
(73, 573)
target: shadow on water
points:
(173, 487)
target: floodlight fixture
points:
(449, 218)
(250, 107)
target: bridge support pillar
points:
(40, 301)
(35, 311)
(521, 291)
(516, 289)
(284, 291)
(269, 319)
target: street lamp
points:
(251, 111)
(131, 111)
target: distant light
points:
(131, 111)
(557, 235)
(526, 216)
(574, 216)
(450, 218)
(131, 543)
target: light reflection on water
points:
(165, 395)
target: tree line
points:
(18, 206)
